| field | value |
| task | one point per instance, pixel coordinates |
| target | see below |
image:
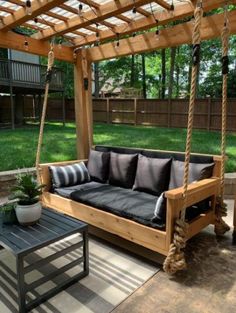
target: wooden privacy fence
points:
(163, 113)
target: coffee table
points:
(22, 241)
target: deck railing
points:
(28, 74)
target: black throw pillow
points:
(122, 169)
(152, 175)
(98, 166)
(197, 171)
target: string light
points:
(97, 34)
(134, 11)
(172, 8)
(60, 44)
(118, 40)
(80, 9)
(26, 45)
(36, 20)
(157, 34)
(28, 7)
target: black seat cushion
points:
(152, 175)
(134, 205)
(122, 169)
(67, 191)
(197, 171)
(98, 165)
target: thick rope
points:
(221, 208)
(44, 110)
(175, 260)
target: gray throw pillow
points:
(197, 171)
(152, 175)
(98, 165)
(69, 175)
(160, 209)
(122, 169)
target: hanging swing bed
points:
(118, 199)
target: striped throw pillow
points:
(69, 175)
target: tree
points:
(172, 68)
(144, 77)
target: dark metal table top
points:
(51, 227)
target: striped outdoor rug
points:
(114, 275)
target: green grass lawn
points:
(18, 148)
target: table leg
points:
(21, 284)
(86, 252)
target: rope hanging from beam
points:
(221, 208)
(175, 260)
(44, 110)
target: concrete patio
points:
(207, 286)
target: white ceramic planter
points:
(28, 214)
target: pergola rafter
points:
(177, 35)
(21, 16)
(103, 21)
(107, 10)
(180, 12)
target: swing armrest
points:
(197, 191)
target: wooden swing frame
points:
(150, 238)
(82, 59)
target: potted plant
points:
(27, 192)
(7, 213)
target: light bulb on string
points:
(157, 34)
(60, 44)
(28, 7)
(117, 45)
(134, 11)
(80, 9)
(97, 34)
(172, 8)
(26, 45)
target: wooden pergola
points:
(93, 30)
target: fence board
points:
(164, 113)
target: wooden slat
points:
(20, 16)
(163, 4)
(177, 35)
(180, 12)
(196, 191)
(151, 238)
(10, 40)
(106, 10)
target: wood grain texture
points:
(170, 37)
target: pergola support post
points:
(83, 104)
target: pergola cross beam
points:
(170, 37)
(180, 12)
(20, 16)
(107, 10)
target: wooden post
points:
(83, 105)
(108, 111)
(135, 111)
(169, 113)
(63, 109)
(209, 114)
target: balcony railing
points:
(28, 75)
